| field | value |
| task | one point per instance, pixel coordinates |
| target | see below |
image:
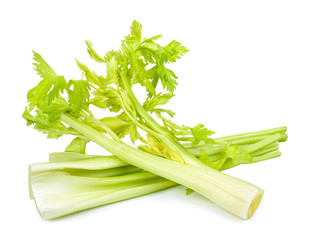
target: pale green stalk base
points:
(68, 196)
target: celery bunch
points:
(72, 182)
(171, 153)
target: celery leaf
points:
(79, 94)
(200, 133)
(77, 145)
(49, 87)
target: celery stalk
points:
(80, 193)
(234, 195)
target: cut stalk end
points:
(255, 203)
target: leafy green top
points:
(140, 61)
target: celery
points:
(64, 107)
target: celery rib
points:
(66, 201)
(212, 184)
(271, 131)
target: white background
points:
(248, 69)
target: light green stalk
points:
(80, 193)
(73, 182)
(234, 195)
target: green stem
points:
(140, 109)
(270, 148)
(220, 143)
(253, 134)
(228, 165)
(245, 138)
(265, 142)
(141, 126)
(249, 140)
(102, 125)
(267, 156)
